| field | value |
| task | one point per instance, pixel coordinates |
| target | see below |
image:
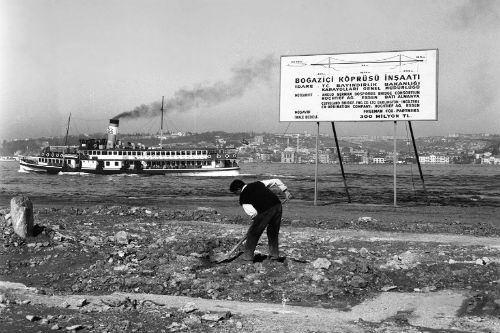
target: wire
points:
(289, 123)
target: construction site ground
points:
(344, 268)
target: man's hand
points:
(288, 195)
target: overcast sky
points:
(96, 59)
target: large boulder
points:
(21, 215)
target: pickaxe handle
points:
(238, 244)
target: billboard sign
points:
(376, 86)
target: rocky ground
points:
(359, 268)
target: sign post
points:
(395, 161)
(360, 87)
(316, 167)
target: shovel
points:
(221, 257)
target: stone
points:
(207, 209)
(317, 277)
(213, 317)
(21, 210)
(363, 252)
(192, 320)
(388, 288)
(482, 261)
(32, 318)
(366, 219)
(188, 307)
(358, 282)
(321, 263)
(429, 289)
(122, 237)
(405, 260)
(8, 220)
(81, 302)
(74, 327)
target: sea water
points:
(456, 185)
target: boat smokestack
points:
(112, 132)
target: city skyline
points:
(217, 62)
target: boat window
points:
(188, 152)
(107, 163)
(105, 153)
(115, 153)
(116, 163)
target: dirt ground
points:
(344, 268)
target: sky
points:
(216, 62)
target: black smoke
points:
(243, 77)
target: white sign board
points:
(378, 86)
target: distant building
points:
(324, 158)
(488, 158)
(364, 159)
(434, 159)
(258, 139)
(288, 156)
(379, 160)
(265, 157)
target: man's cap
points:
(236, 185)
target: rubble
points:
(169, 254)
(122, 237)
(188, 308)
(321, 263)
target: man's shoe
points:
(243, 258)
(276, 258)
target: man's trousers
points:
(271, 219)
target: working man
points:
(264, 207)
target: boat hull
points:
(209, 172)
(38, 168)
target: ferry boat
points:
(111, 156)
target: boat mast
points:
(67, 130)
(161, 126)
